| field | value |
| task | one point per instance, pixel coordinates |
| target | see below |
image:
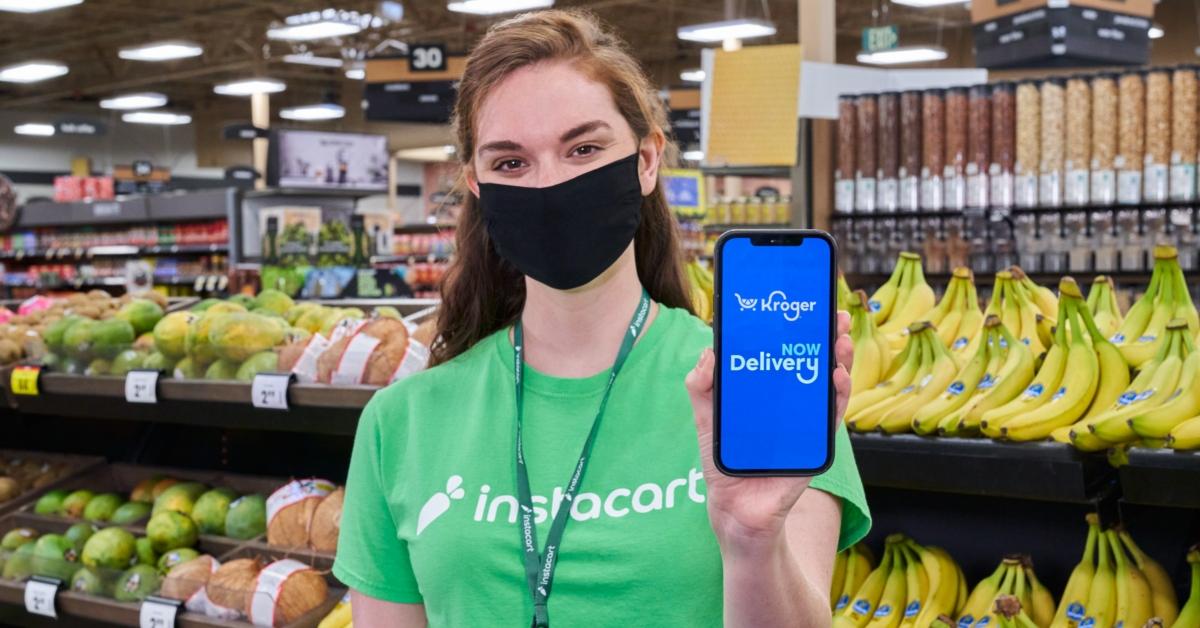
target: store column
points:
(260, 117)
(818, 42)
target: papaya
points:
(274, 301)
(143, 314)
(222, 369)
(236, 337)
(112, 336)
(264, 362)
(170, 334)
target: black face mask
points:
(568, 234)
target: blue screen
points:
(775, 355)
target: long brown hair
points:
(482, 293)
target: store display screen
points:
(774, 351)
(320, 160)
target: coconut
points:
(387, 330)
(284, 591)
(326, 520)
(328, 362)
(186, 582)
(231, 586)
(290, 510)
(289, 355)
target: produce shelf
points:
(1162, 477)
(1039, 471)
(78, 466)
(116, 250)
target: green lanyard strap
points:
(539, 567)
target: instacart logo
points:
(617, 503)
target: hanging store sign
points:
(398, 91)
(880, 38)
(243, 131)
(80, 127)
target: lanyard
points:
(539, 568)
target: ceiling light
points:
(35, 6)
(156, 117)
(320, 29)
(161, 51)
(492, 7)
(695, 75)
(34, 128)
(925, 4)
(1156, 32)
(144, 100)
(32, 71)
(249, 87)
(729, 29)
(309, 58)
(323, 111)
(903, 54)
(426, 153)
(693, 155)
(356, 74)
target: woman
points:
(567, 257)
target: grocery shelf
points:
(403, 259)
(1044, 471)
(1162, 477)
(776, 172)
(116, 250)
(720, 228)
(987, 279)
(420, 227)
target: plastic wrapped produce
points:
(933, 143)
(1029, 137)
(864, 176)
(1131, 137)
(844, 172)
(1183, 134)
(979, 144)
(1158, 136)
(1078, 153)
(1004, 139)
(888, 156)
(954, 170)
(1053, 157)
(1104, 139)
(910, 151)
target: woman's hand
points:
(749, 513)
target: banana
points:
(884, 299)
(869, 418)
(1078, 385)
(1106, 309)
(1186, 435)
(1102, 597)
(1072, 607)
(1028, 314)
(840, 560)
(1185, 309)
(1021, 584)
(1039, 391)
(1141, 348)
(947, 303)
(917, 299)
(927, 417)
(867, 367)
(860, 611)
(1135, 603)
(979, 603)
(890, 609)
(943, 576)
(1190, 614)
(970, 326)
(1114, 427)
(902, 370)
(1114, 370)
(1013, 378)
(339, 617)
(1183, 404)
(941, 375)
(1166, 603)
(858, 568)
(1045, 330)
(1007, 586)
(1043, 297)
(916, 586)
(1041, 607)
(844, 294)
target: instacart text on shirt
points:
(617, 503)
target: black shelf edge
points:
(748, 171)
(1017, 211)
(1045, 471)
(1162, 477)
(82, 253)
(745, 225)
(312, 192)
(402, 259)
(424, 228)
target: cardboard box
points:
(987, 10)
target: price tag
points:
(40, 593)
(24, 380)
(222, 282)
(141, 387)
(157, 612)
(269, 390)
(210, 283)
(199, 285)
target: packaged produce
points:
(846, 162)
(1026, 168)
(230, 589)
(887, 178)
(1052, 162)
(954, 184)
(1078, 154)
(186, 582)
(979, 145)
(1131, 137)
(290, 509)
(864, 172)
(1104, 139)
(283, 592)
(1155, 166)
(933, 148)
(910, 151)
(1183, 134)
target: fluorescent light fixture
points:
(156, 117)
(693, 155)
(143, 100)
(34, 128)
(695, 75)
(35, 6)
(927, 4)
(903, 54)
(322, 111)
(309, 58)
(161, 51)
(249, 87)
(1156, 32)
(32, 71)
(320, 29)
(426, 153)
(730, 29)
(115, 249)
(356, 74)
(492, 7)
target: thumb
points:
(699, 385)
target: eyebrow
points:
(582, 129)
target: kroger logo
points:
(777, 301)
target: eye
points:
(585, 150)
(508, 165)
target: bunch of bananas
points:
(1028, 310)
(844, 294)
(1102, 302)
(872, 352)
(340, 616)
(902, 300)
(912, 586)
(957, 317)
(701, 280)
(1142, 333)
(914, 378)
(1014, 577)
(1190, 614)
(1116, 584)
(850, 568)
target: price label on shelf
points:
(141, 387)
(24, 380)
(269, 390)
(199, 285)
(158, 612)
(40, 593)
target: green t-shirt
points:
(430, 511)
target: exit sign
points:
(880, 38)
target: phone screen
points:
(774, 350)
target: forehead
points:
(537, 103)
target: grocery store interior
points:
(225, 225)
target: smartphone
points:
(774, 324)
